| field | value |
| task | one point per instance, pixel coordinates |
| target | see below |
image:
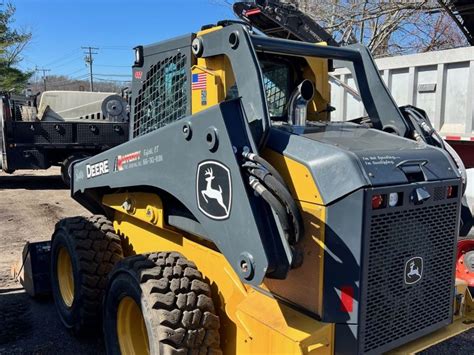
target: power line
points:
(44, 75)
(122, 75)
(117, 48)
(89, 59)
(114, 80)
(63, 57)
(75, 59)
(74, 72)
(113, 66)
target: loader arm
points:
(221, 133)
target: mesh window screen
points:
(163, 96)
(275, 80)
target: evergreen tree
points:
(12, 43)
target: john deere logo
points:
(214, 189)
(413, 270)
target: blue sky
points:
(61, 27)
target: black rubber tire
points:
(175, 301)
(66, 165)
(94, 249)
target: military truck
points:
(64, 127)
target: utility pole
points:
(44, 75)
(89, 59)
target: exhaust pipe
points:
(298, 104)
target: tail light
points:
(378, 201)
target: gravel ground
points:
(30, 205)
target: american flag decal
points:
(199, 81)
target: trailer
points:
(65, 127)
(441, 83)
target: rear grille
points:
(393, 309)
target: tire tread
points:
(98, 249)
(179, 302)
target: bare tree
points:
(386, 27)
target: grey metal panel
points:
(343, 256)
(344, 157)
(248, 76)
(168, 45)
(329, 165)
(345, 339)
(172, 163)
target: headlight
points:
(393, 199)
(138, 56)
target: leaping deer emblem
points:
(210, 192)
(413, 271)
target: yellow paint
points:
(145, 207)
(251, 321)
(131, 329)
(219, 79)
(65, 277)
(297, 176)
(317, 72)
(209, 30)
(304, 285)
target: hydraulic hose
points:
(426, 126)
(284, 196)
(279, 209)
(258, 159)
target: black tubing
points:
(284, 196)
(275, 204)
(266, 165)
(293, 210)
(418, 117)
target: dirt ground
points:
(30, 205)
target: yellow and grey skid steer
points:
(239, 219)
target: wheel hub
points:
(65, 277)
(131, 329)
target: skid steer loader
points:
(239, 220)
